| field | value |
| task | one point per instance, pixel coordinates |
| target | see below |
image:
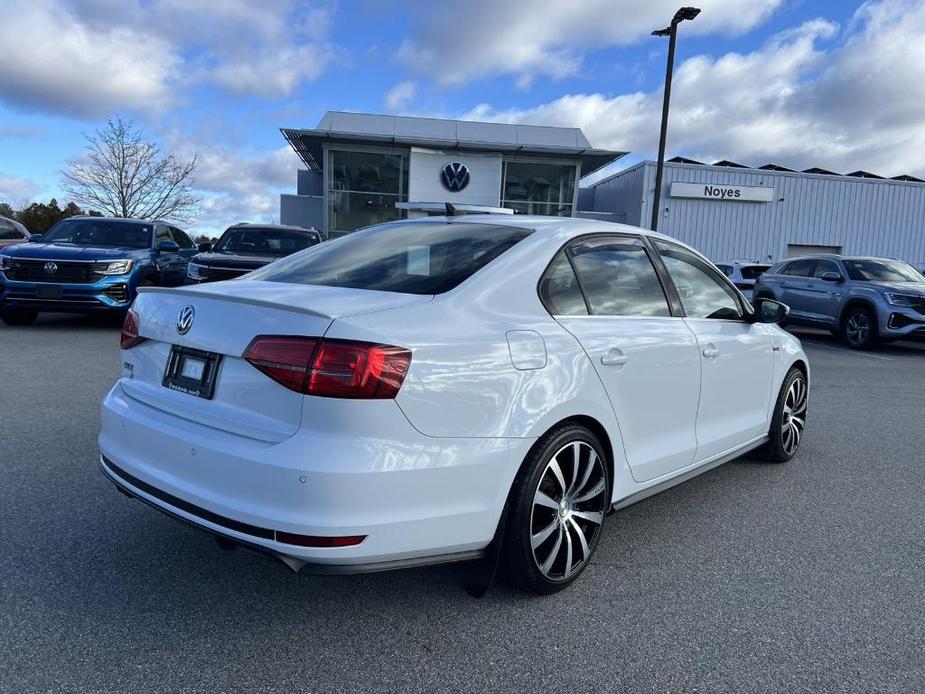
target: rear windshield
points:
(100, 232)
(753, 272)
(256, 240)
(411, 258)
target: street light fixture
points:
(671, 32)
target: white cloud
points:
(398, 97)
(54, 61)
(90, 58)
(797, 101)
(459, 42)
(16, 190)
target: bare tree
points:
(124, 176)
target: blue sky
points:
(838, 84)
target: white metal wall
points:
(863, 216)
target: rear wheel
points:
(789, 419)
(18, 316)
(859, 328)
(557, 508)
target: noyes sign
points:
(722, 191)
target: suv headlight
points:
(115, 267)
(192, 271)
(910, 300)
(6, 262)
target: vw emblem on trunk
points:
(185, 319)
(51, 268)
(455, 176)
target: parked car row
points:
(92, 264)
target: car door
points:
(647, 358)
(823, 299)
(794, 282)
(170, 264)
(736, 355)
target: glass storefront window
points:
(363, 188)
(537, 188)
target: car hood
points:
(899, 287)
(69, 251)
(234, 260)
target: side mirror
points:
(168, 247)
(205, 247)
(770, 311)
(831, 277)
(37, 238)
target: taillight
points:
(331, 368)
(130, 336)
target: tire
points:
(859, 328)
(18, 316)
(564, 518)
(788, 421)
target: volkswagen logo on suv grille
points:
(455, 176)
(51, 268)
(185, 319)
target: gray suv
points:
(866, 300)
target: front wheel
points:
(860, 328)
(557, 508)
(18, 316)
(789, 419)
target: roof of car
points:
(287, 227)
(131, 220)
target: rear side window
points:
(559, 290)
(618, 278)
(411, 258)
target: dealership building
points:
(361, 169)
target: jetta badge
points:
(185, 319)
(455, 176)
(51, 268)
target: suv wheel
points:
(859, 328)
(18, 316)
(557, 508)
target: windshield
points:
(882, 271)
(415, 258)
(100, 232)
(265, 241)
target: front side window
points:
(559, 290)
(7, 232)
(824, 266)
(801, 268)
(882, 271)
(618, 278)
(538, 188)
(363, 188)
(182, 240)
(162, 234)
(703, 293)
(265, 241)
(100, 232)
(411, 258)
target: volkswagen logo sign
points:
(51, 268)
(185, 319)
(455, 176)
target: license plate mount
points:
(49, 291)
(192, 371)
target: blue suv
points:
(90, 265)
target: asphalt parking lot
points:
(807, 577)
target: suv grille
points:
(24, 270)
(220, 273)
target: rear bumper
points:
(112, 293)
(418, 500)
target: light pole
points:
(672, 33)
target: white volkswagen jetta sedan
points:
(415, 391)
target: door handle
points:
(614, 357)
(711, 352)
